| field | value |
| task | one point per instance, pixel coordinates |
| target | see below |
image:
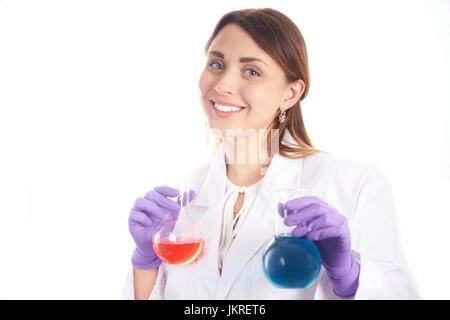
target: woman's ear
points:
(294, 92)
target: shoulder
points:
(200, 169)
(343, 181)
(349, 185)
(338, 168)
(197, 173)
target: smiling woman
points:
(270, 77)
(254, 79)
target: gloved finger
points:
(167, 191)
(301, 202)
(326, 220)
(139, 217)
(149, 207)
(185, 197)
(299, 231)
(325, 233)
(162, 201)
(281, 209)
(304, 216)
(284, 212)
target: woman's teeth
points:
(226, 108)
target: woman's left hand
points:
(328, 229)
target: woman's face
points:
(259, 86)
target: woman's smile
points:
(224, 111)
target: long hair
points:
(277, 35)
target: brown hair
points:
(277, 35)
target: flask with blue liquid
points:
(290, 262)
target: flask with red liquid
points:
(180, 240)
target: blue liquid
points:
(291, 262)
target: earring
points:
(282, 117)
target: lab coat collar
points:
(213, 187)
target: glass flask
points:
(289, 262)
(180, 240)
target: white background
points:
(98, 99)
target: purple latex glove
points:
(147, 216)
(328, 229)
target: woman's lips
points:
(223, 103)
(223, 114)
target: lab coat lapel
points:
(257, 228)
(211, 196)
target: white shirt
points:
(231, 195)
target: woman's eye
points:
(212, 63)
(253, 72)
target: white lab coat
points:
(359, 191)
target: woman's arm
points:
(339, 298)
(384, 273)
(144, 281)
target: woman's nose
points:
(226, 84)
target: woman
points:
(255, 77)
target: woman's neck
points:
(247, 159)
(245, 175)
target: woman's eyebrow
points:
(243, 59)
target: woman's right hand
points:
(145, 220)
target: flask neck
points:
(184, 200)
(280, 229)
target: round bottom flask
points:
(290, 262)
(180, 240)
(178, 249)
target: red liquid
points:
(182, 252)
